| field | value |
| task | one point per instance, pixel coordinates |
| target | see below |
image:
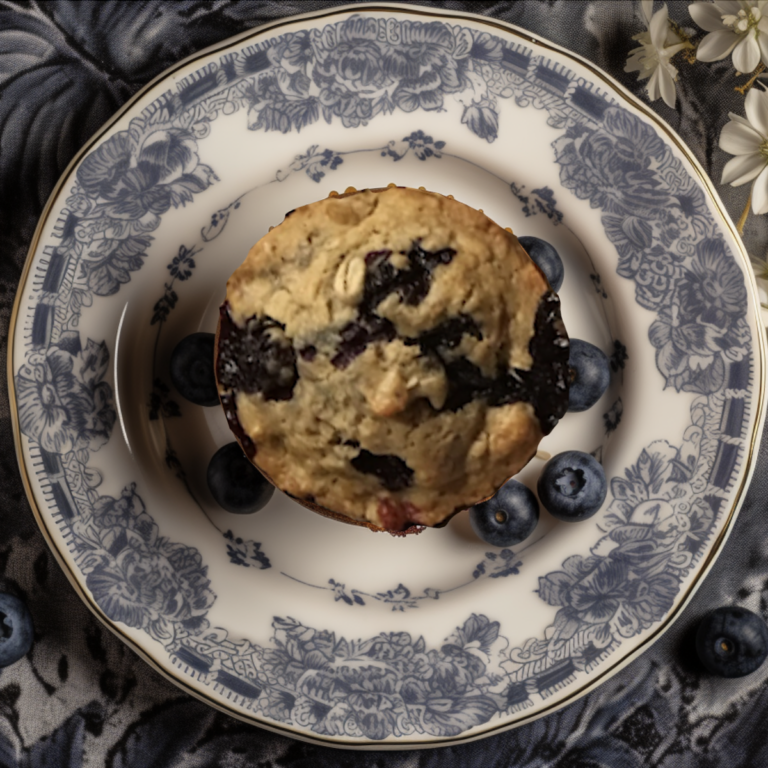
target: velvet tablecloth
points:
(80, 697)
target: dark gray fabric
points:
(81, 697)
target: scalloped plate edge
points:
(621, 92)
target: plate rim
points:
(623, 93)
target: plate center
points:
(180, 438)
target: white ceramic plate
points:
(329, 632)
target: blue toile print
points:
(663, 508)
(388, 685)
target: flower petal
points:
(653, 86)
(739, 139)
(672, 38)
(717, 45)
(635, 60)
(647, 6)
(645, 74)
(760, 193)
(707, 16)
(739, 119)
(762, 41)
(742, 169)
(731, 7)
(746, 55)
(667, 86)
(756, 107)
(659, 26)
(670, 51)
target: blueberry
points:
(192, 369)
(356, 335)
(412, 283)
(508, 518)
(447, 335)
(546, 258)
(591, 375)
(235, 483)
(256, 357)
(572, 486)
(393, 473)
(732, 642)
(15, 629)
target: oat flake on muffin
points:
(390, 357)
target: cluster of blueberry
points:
(731, 642)
(235, 484)
(572, 486)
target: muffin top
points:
(391, 356)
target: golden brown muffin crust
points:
(365, 307)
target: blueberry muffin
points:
(390, 357)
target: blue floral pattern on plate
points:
(662, 511)
(495, 565)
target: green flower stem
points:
(743, 218)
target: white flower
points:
(652, 59)
(747, 139)
(740, 26)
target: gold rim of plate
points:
(622, 94)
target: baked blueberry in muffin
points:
(390, 357)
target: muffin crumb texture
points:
(391, 356)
